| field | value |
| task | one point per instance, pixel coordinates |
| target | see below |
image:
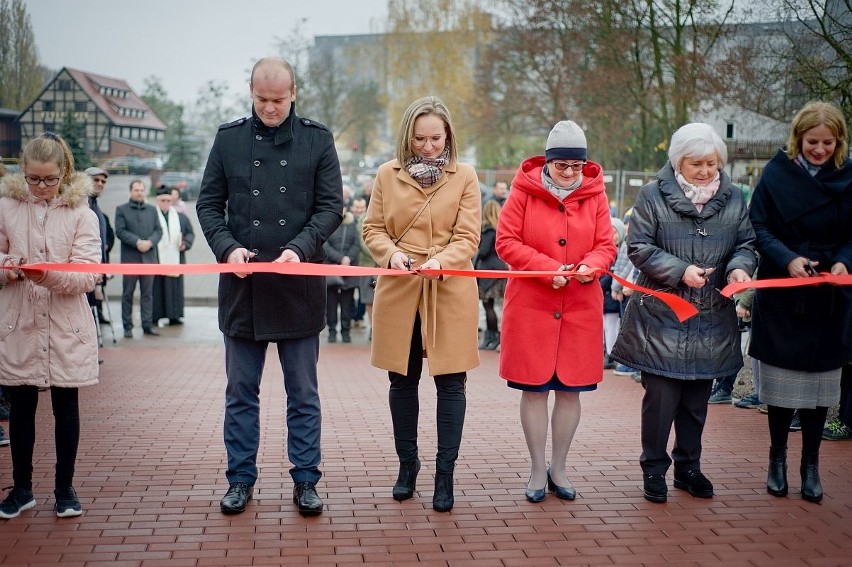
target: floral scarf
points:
(697, 194)
(426, 171)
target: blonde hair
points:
(816, 114)
(490, 213)
(405, 132)
(51, 147)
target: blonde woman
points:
(425, 214)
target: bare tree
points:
(821, 48)
(432, 50)
(20, 71)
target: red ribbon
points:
(682, 308)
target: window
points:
(63, 85)
(80, 106)
(47, 106)
(729, 131)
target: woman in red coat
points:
(555, 219)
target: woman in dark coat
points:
(341, 248)
(490, 289)
(689, 235)
(802, 214)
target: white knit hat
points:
(566, 141)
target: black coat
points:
(267, 190)
(795, 214)
(667, 234)
(487, 258)
(134, 222)
(344, 242)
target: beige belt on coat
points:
(428, 294)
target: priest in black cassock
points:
(177, 239)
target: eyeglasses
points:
(563, 165)
(35, 180)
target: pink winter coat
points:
(546, 330)
(47, 331)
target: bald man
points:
(271, 192)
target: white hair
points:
(696, 140)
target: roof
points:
(111, 105)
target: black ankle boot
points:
(776, 479)
(443, 500)
(406, 481)
(811, 486)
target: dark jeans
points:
(670, 401)
(405, 409)
(23, 402)
(244, 361)
(342, 300)
(146, 301)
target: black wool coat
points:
(667, 234)
(268, 190)
(795, 214)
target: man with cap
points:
(138, 228)
(99, 179)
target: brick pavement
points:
(151, 471)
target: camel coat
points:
(447, 229)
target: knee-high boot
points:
(405, 409)
(776, 480)
(451, 407)
(811, 486)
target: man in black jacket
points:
(271, 192)
(138, 229)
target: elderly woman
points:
(48, 337)
(425, 215)
(802, 214)
(689, 235)
(555, 219)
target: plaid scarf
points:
(699, 195)
(426, 171)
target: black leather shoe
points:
(442, 499)
(306, 498)
(535, 495)
(151, 331)
(128, 334)
(406, 481)
(562, 492)
(695, 482)
(776, 475)
(235, 500)
(811, 486)
(655, 488)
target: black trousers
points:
(338, 298)
(404, 404)
(670, 401)
(23, 402)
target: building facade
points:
(112, 119)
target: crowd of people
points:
(273, 192)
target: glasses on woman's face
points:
(563, 165)
(35, 180)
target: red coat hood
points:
(528, 180)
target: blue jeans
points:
(244, 360)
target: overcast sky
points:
(185, 42)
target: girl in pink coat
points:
(555, 219)
(47, 332)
